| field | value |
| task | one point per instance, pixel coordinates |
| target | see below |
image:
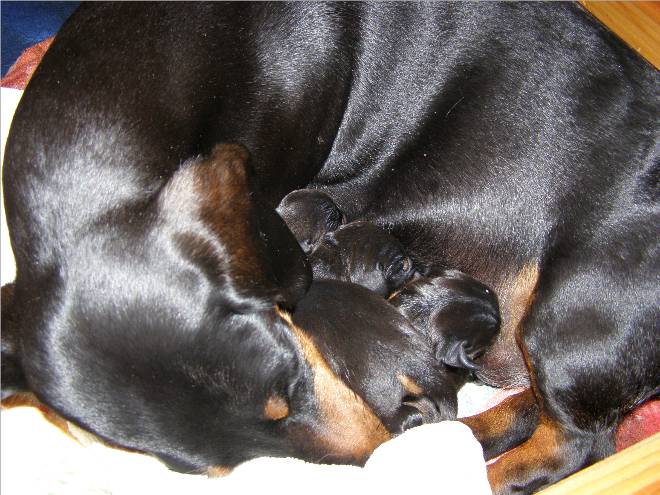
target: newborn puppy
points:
(378, 353)
(364, 254)
(310, 214)
(459, 314)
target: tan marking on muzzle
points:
(28, 399)
(82, 436)
(350, 427)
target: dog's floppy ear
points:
(13, 380)
(221, 222)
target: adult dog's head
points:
(160, 330)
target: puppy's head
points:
(378, 353)
(459, 314)
(310, 215)
(161, 332)
(364, 254)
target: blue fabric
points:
(25, 23)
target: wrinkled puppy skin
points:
(364, 254)
(310, 215)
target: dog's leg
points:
(506, 425)
(550, 454)
(591, 348)
(512, 421)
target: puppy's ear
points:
(221, 222)
(13, 380)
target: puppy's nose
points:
(414, 411)
(407, 417)
(426, 408)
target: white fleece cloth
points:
(38, 458)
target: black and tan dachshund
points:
(515, 142)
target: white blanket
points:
(37, 458)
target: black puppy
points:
(310, 215)
(360, 252)
(364, 254)
(144, 306)
(459, 314)
(368, 343)
(447, 322)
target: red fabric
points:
(20, 73)
(639, 424)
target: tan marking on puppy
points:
(410, 385)
(218, 471)
(350, 426)
(276, 408)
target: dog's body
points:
(517, 143)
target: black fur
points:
(358, 252)
(364, 254)
(459, 315)
(502, 140)
(310, 215)
(365, 338)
